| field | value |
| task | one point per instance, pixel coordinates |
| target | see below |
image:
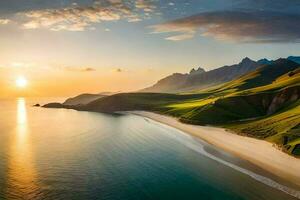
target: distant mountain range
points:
(200, 79)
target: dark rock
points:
(285, 96)
(54, 105)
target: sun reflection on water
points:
(21, 112)
(22, 177)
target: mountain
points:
(82, 99)
(194, 81)
(294, 58)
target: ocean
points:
(66, 154)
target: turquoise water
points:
(65, 154)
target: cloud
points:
(238, 26)
(72, 19)
(4, 21)
(134, 18)
(89, 69)
(22, 64)
(78, 69)
(184, 36)
(76, 18)
(145, 5)
(119, 70)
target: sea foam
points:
(195, 144)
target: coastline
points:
(260, 153)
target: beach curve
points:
(260, 153)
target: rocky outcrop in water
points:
(54, 105)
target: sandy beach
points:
(261, 153)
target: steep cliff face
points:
(284, 97)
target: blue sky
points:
(144, 39)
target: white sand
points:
(258, 152)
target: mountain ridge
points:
(178, 82)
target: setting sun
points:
(21, 82)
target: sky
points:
(68, 47)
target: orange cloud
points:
(78, 69)
(4, 21)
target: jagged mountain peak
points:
(197, 71)
(264, 61)
(246, 61)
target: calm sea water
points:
(65, 154)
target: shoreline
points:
(258, 152)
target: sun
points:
(21, 82)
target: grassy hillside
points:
(139, 101)
(262, 79)
(226, 109)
